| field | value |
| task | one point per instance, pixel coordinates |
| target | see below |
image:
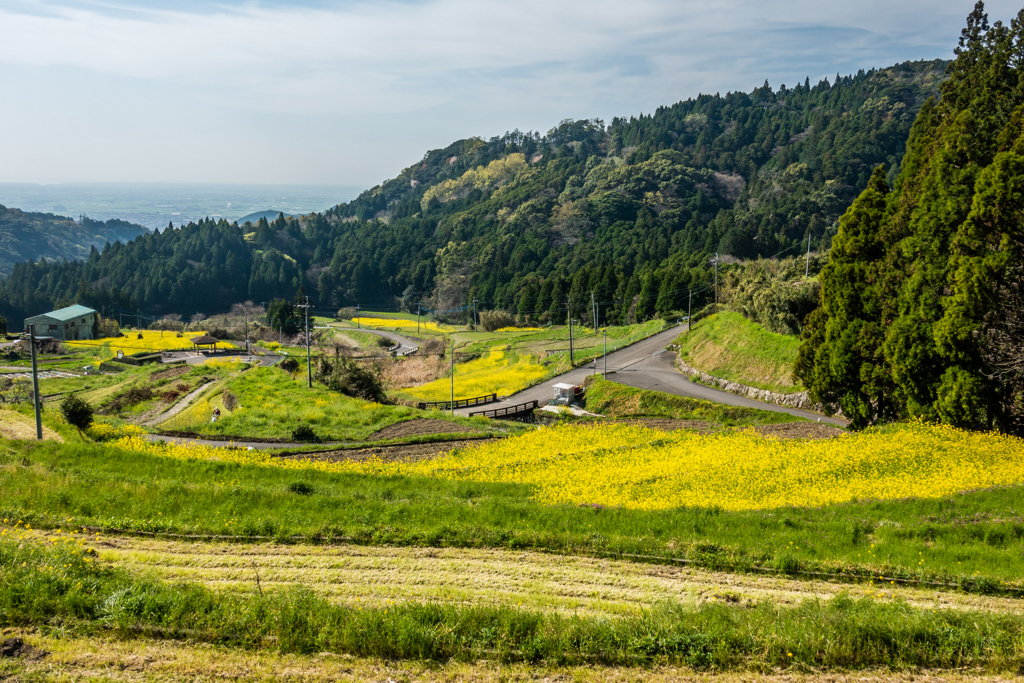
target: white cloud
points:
(327, 77)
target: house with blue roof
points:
(68, 324)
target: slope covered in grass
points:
(729, 346)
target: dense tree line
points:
(923, 301)
(629, 211)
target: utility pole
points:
(714, 262)
(807, 265)
(476, 316)
(689, 311)
(358, 326)
(593, 309)
(35, 384)
(417, 318)
(309, 367)
(606, 353)
(572, 361)
(452, 404)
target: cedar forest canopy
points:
(923, 301)
(523, 222)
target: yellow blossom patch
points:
(640, 468)
(494, 373)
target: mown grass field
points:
(729, 346)
(64, 578)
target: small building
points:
(67, 324)
(565, 394)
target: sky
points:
(348, 92)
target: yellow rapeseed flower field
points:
(640, 468)
(152, 340)
(493, 373)
(397, 324)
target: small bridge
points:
(522, 412)
(461, 403)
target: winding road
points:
(647, 365)
(405, 346)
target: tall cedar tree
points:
(916, 303)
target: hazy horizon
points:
(154, 205)
(326, 92)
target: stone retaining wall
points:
(799, 400)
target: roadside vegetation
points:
(617, 400)
(731, 347)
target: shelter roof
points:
(204, 339)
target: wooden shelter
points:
(205, 340)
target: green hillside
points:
(40, 236)
(729, 346)
(525, 222)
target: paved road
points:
(646, 365)
(405, 346)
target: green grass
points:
(973, 540)
(274, 403)
(61, 584)
(729, 346)
(618, 400)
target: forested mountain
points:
(923, 299)
(39, 236)
(525, 222)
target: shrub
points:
(230, 400)
(494, 320)
(350, 378)
(433, 347)
(303, 433)
(289, 365)
(301, 488)
(76, 411)
(347, 313)
(384, 342)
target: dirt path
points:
(185, 402)
(371, 575)
(396, 453)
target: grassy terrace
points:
(729, 346)
(271, 403)
(972, 539)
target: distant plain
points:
(154, 205)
